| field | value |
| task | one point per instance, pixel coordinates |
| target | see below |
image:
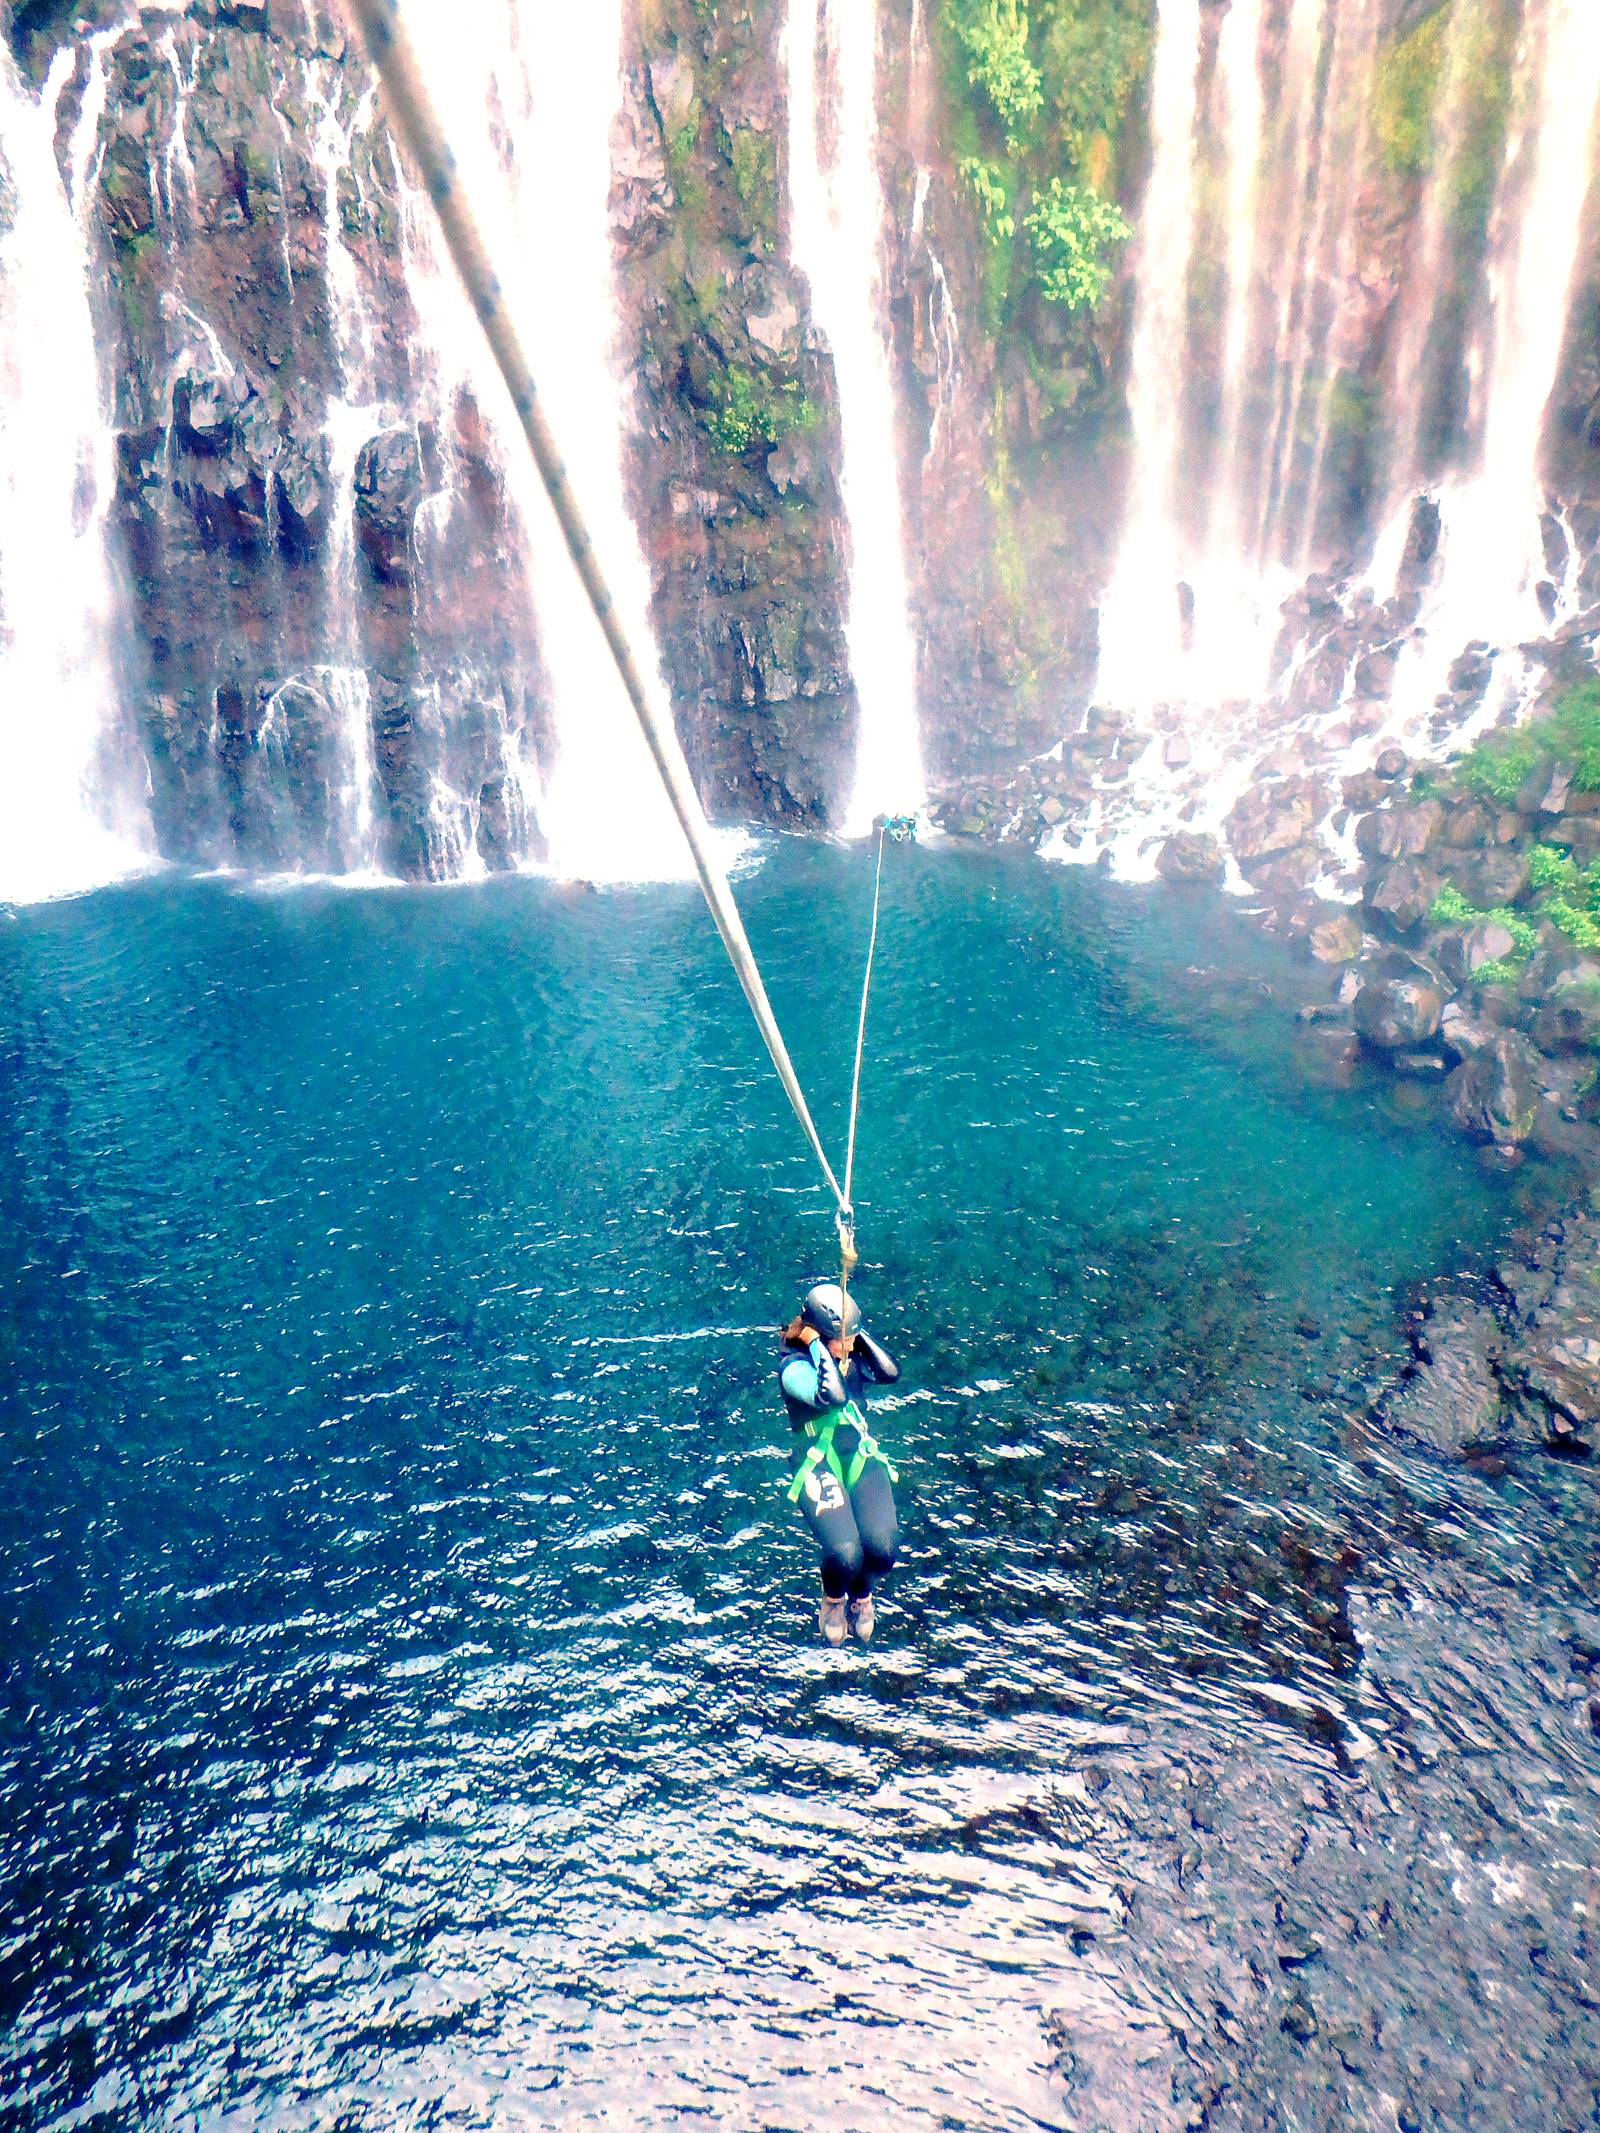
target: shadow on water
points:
(414, 1707)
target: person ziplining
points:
(861, 1530)
(842, 1482)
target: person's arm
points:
(877, 1362)
(813, 1379)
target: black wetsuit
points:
(856, 1528)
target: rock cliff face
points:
(328, 578)
(338, 658)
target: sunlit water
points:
(416, 1714)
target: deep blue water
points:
(415, 1713)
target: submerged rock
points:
(1494, 1094)
(1451, 1399)
(1398, 1013)
(1337, 939)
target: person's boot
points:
(834, 1619)
(863, 1618)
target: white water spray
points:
(1142, 649)
(836, 217)
(63, 824)
(528, 101)
(1491, 549)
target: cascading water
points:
(1142, 637)
(836, 217)
(66, 821)
(1491, 551)
(539, 173)
(351, 419)
(1238, 494)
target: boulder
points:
(1569, 1018)
(1468, 826)
(1391, 763)
(1374, 676)
(1462, 1034)
(1364, 789)
(1451, 1400)
(1494, 877)
(1191, 856)
(1403, 894)
(1378, 835)
(1395, 1014)
(388, 490)
(1494, 1094)
(1463, 954)
(1544, 790)
(1271, 819)
(1336, 939)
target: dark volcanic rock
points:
(1403, 894)
(1451, 1400)
(1569, 1018)
(1494, 1094)
(1191, 856)
(1336, 939)
(388, 491)
(1272, 818)
(1397, 1013)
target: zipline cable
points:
(847, 1244)
(418, 126)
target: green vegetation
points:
(1075, 235)
(994, 35)
(1451, 908)
(1040, 90)
(1444, 85)
(1404, 91)
(749, 412)
(1568, 733)
(753, 159)
(1571, 894)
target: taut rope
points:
(415, 120)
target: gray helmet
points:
(822, 1310)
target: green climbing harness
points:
(868, 1452)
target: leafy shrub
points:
(1550, 869)
(1450, 908)
(1075, 233)
(747, 411)
(1498, 766)
(1577, 921)
(1040, 92)
(1095, 54)
(1404, 89)
(994, 34)
(1497, 973)
(987, 183)
(1569, 733)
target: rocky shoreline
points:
(1466, 955)
(1463, 978)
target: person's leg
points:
(872, 1501)
(826, 1510)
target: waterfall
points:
(1142, 635)
(528, 100)
(836, 220)
(351, 419)
(66, 821)
(1491, 549)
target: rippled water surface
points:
(415, 1712)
